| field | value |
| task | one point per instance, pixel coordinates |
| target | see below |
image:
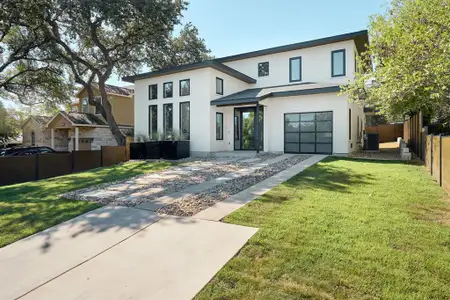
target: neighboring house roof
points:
(40, 120)
(113, 89)
(78, 118)
(250, 96)
(361, 39)
(189, 67)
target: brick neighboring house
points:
(83, 128)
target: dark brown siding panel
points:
(85, 160)
(52, 165)
(16, 169)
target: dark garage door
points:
(308, 132)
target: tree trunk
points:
(107, 114)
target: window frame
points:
(349, 124)
(95, 107)
(150, 86)
(165, 121)
(268, 68)
(290, 68)
(179, 86)
(220, 137)
(343, 62)
(152, 130)
(82, 105)
(164, 89)
(180, 121)
(218, 79)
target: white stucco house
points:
(293, 90)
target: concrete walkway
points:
(129, 253)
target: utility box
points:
(371, 142)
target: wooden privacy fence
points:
(386, 132)
(17, 169)
(437, 159)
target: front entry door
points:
(245, 126)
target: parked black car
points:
(25, 151)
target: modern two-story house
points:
(281, 99)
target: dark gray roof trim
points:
(250, 96)
(200, 65)
(361, 39)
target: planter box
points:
(137, 151)
(153, 150)
(175, 149)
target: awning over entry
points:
(251, 96)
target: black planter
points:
(137, 151)
(175, 149)
(153, 150)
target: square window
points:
(295, 69)
(168, 90)
(185, 87)
(338, 63)
(219, 86)
(85, 105)
(152, 92)
(219, 126)
(263, 69)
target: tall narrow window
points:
(153, 122)
(185, 87)
(263, 69)
(338, 63)
(168, 120)
(185, 121)
(84, 105)
(219, 86)
(349, 124)
(152, 92)
(98, 99)
(168, 90)
(33, 138)
(219, 126)
(295, 69)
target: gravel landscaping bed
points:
(191, 205)
(210, 168)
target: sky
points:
(238, 26)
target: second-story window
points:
(98, 99)
(168, 90)
(152, 92)
(295, 69)
(338, 63)
(263, 69)
(84, 105)
(185, 87)
(219, 86)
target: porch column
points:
(257, 127)
(77, 133)
(53, 138)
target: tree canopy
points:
(410, 49)
(10, 124)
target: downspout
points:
(257, 127)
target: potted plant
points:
(175, 148)
(153, 146)
(137, 149)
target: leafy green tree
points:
(183, 49)
(91, 40)
(410, 49)
(10, 122)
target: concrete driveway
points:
(119, 253)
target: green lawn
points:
(34, 206)
(343, 229)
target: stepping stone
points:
(250, 160)
(101, 194)
(123, 187)
(138, 195)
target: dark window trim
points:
(349, 124)
(179, 86)
(164, 119)
(221, 127)
(149, 93)
(332, 63)
(179, 119)
(164, 89)
(221, 83)
(150, 133)
(268, 73)
(290, 69)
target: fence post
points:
(440, 160)
(431, 153)
(73, 160)
(36, 167)
(101, 156)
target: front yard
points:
(34, 206)
(343, 229)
